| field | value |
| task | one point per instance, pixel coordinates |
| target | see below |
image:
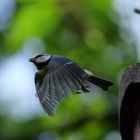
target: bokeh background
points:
(102, 36)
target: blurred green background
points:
(96, 34)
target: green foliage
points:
(32, 20)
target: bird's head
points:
(40, 60)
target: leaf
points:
(32, 20)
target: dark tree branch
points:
(137, 11)
(129, 104)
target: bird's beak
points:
(31, 60)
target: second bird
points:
(58, 76)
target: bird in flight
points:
(58, 76)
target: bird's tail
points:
(102, 83)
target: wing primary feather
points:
(57, 88)
(80, 78)
(78, 68)
(39, 94)
(69, 80)
(43, 97)
(46, 88)
(63, 84)
(37, 84)
(82, 81)
(58, 77)
(47, 106)
(79, 71)
(50, 105)
(48, 109)
(41, 91)
(60, 92)
(55, 83)
(54, 103)
(52, 88)
(71, 76)
(66, 85)
(47, 100)
(75, 74)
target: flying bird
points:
(58, 76)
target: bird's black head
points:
(40, 60)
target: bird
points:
(58, 76)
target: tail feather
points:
(102, 83)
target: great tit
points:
(58, 76)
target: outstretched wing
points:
(63, 76)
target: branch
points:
(137, 11)
(129, 104)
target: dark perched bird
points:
(57, 76)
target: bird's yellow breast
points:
(42, 72)
(41, 75)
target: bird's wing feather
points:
(37, 84)
(43, 93)
(63, 76)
